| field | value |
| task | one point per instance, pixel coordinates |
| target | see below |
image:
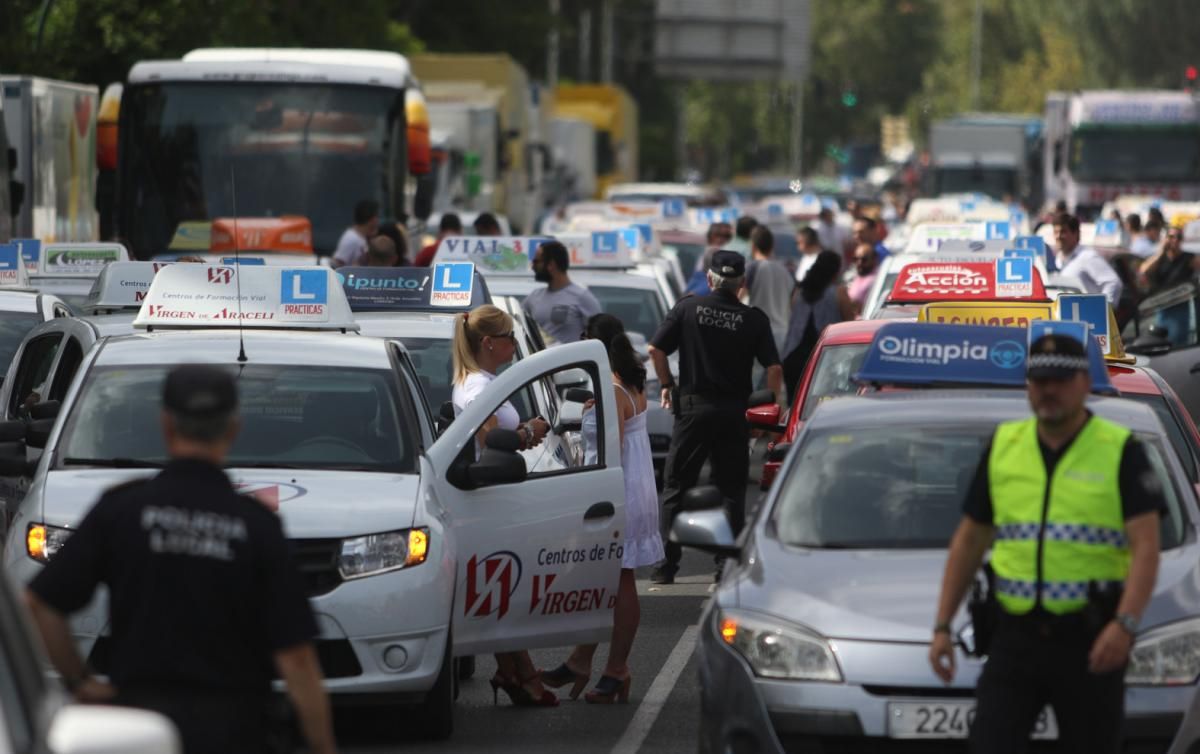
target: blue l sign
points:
(304, 287)
(1091, 309)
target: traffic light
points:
(1190, 75)
(849, 98)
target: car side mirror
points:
(13, 462)
(708, 531)
(570, 418)
(45, 410)
(500, 462)
(571, 378)
(766, 417)
(74, 731)
(37, 433)
(703, 498)
(578, 395)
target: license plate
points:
(950, 719)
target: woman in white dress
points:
(483, 343)
(643, 544)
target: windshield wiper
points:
(117, 463)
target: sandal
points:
(609, 690)
(562, 675)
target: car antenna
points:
(237, 267)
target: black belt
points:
(1047, 625)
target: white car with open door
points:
(414, 549)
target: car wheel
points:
(437, 711)
(466, 668)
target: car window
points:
(899, 487)
(33, 370)
(431, 357)
(640, 310)
(1175, 433)
(292, 417)
(68, 365)
(832, 375)
(1179, 322)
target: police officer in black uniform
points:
(204, 604)
(718, 339)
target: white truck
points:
(51, 154)
(468, 147)
(1103, 144)
(987, 153)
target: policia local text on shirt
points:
(718, 339)
(203, 600)
(1070, 506)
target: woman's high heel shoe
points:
(547, 698)
(502, 683)
(609, 690)
(561, 676)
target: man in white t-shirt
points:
(352, 246)
(562, 308)
(830, 235)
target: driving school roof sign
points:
(492, 255)
(200, 295)
(80, 259)
(397, 289)
(12, 266)
(1004, 278)
(122, 285)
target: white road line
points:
(656, 697)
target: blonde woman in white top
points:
(483, 343)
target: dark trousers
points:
(215, 722)
(1035, 661)
(706, 430)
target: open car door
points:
(538, 553)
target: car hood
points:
(892, 595)
(312, 504)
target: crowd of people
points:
(368, 242)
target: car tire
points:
(437, 711)
(466, 668)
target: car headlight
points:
(43, 542)
(1166, 656)
(776, 650)
(379, 553)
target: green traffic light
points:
(849, 98)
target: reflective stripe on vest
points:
(1078, 520)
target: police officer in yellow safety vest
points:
(1070, 506)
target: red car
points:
(839, 354)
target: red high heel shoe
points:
(527, 699)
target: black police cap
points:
(1056, 356)
(728, 264)
(199, 390)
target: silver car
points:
(817, 640)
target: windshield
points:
(292, 417)
(293, 149)
(1136, 154)
(639, 309)
(832, 375)
(994, 182)
(13, 329)
(899, 487)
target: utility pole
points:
(606, 42)
(976, 53)
(796, 153)
(552, 47)
(585, 46)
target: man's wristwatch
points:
(942, 628)
(1127, 621)
(668, 385)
